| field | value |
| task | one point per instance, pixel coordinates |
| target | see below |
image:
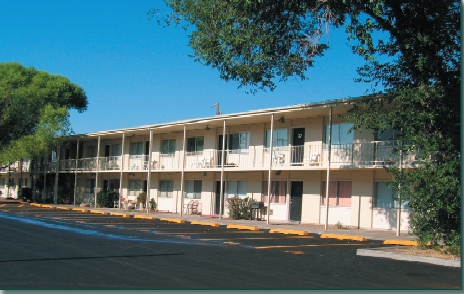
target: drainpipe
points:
(221, 190)
(182, 174)
(149, 171)
(121, 168)
(328, 173)
(270, 170)
(75, 172)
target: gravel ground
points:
(413, 250)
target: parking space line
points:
(401, 242)
(261, 238)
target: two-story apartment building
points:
(290, 151)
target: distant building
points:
(187, 159)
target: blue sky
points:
(135, 72)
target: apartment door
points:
(218, 198)
(298, 146)
(296, 196)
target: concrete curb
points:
(343, 237)
(242, 227)
(401, 242)
(292, 232)
(80, 209)
(98, 212)
(380, 252)
(211, 224)
(62, 208)
(47, 206)
(120, 214)
(144, 217)
(173, 220)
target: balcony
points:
(314, 156)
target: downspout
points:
(121, 169)
(182, 174)
(328, 172)
(270, 170)
(75, 173)
(149, 171)
(97, 172)
(221, 190)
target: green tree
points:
(411, 48)
(34, 113)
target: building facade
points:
(291, 151)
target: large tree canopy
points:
(255, 42)
(34, 110)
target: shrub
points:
(239, 208)
(106, 198)
(152, 203)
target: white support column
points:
(398, 216)
(121, 168)
(57, 170)
(221, 190)
(328, 173)
(149, 171)
(75, 172)
(270, 170)
(182, 174)
(97, 172)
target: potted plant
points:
(142, 198)
(152, 205)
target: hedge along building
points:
(291, 151)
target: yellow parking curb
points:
(144, 216)
(401, 242)
(242, 227)
(343, 237)
(47, 206)
(98, 211)
(173, 220)
(120, 214)
(293, 232)
(216, 225)
(63, 208)
(2, 205)
(80, 209)
(36, 204)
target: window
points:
(23, 182)
(279, 138)
(166, 189)
(115, 150)
(278, 192)
(91, 151)
(237, 188)
(136, 148)
(2, 183)
(195, 144)
(168, 146)
(193, 189)
(135, 187)
(239, 141)
(339, 193)
(386, 197)
(90, 186)
(340, 134)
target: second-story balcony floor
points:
(310, 156)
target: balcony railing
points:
(372, 154)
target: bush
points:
(106, 198)
(239, 208)
(152, 204)
(142, 198)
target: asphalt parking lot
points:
(85, 249)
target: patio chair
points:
(194, 209)
(188, 207)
